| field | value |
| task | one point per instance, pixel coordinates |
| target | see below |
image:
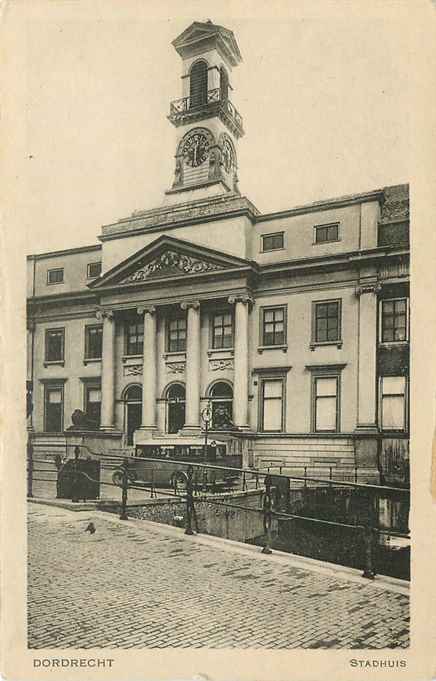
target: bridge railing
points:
(196, 482)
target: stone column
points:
(367, 357)
(192, 419)
(240, 387)
(149, 369)
(108, 370)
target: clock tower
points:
(207, 123)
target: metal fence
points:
(196, 482)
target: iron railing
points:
(179, 108)
(197, 482)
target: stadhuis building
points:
(293, 326)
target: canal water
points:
(345, 545)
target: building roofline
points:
(66, 251)
(325, 204)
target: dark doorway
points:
(175, 407)
(221, 395)
(133, 398)
(54, 409)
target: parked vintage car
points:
(163, 462)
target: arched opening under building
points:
(175, 399)
(132, 410)
(198, 84)
(221, 397)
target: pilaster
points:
(367, 357)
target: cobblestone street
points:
(136, 584)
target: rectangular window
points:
(222, 330)
(394, 320)
(93, 270)
(176, 339)
(326, 233)
(327, 321)
(325, 403)
(273, 242)
(54, 409)
(134, 338)
(55, 276)
(93, 404)
(93, 342)
(393, 402)
(54, 345)
(273, 326)
(272, 404)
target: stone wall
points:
(212, 516)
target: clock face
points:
(228, 156)
(196, 149)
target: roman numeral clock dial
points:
(195, 150)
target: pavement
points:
(138, 584)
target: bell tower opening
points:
(208, 126)
(198, 84)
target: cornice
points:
(44, 318)
(327, 204)
(183, 223)
(71, 297)
(67, 251)
(180, 215)
(339, 259)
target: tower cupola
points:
(208, 124)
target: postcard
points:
(218, 341)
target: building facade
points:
(292, 326)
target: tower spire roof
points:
(199, 34)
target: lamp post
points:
(206, 417)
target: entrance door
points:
(175, 407)
(133, 420)
(133, 398)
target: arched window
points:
(175, 396)
(133, 393)
(198, 84)
(133, 410)
(221, 396)
(224, 84)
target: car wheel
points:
(117, 478)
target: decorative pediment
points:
(187, 42)
(170, 258)
(168, 263)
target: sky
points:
(325, 98)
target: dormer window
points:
(198, 84)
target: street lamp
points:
(206, 417)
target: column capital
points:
(146, 309)
(102, 313)
(186, 304)
(369, 287)
(244, 298)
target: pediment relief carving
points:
(170, 262)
